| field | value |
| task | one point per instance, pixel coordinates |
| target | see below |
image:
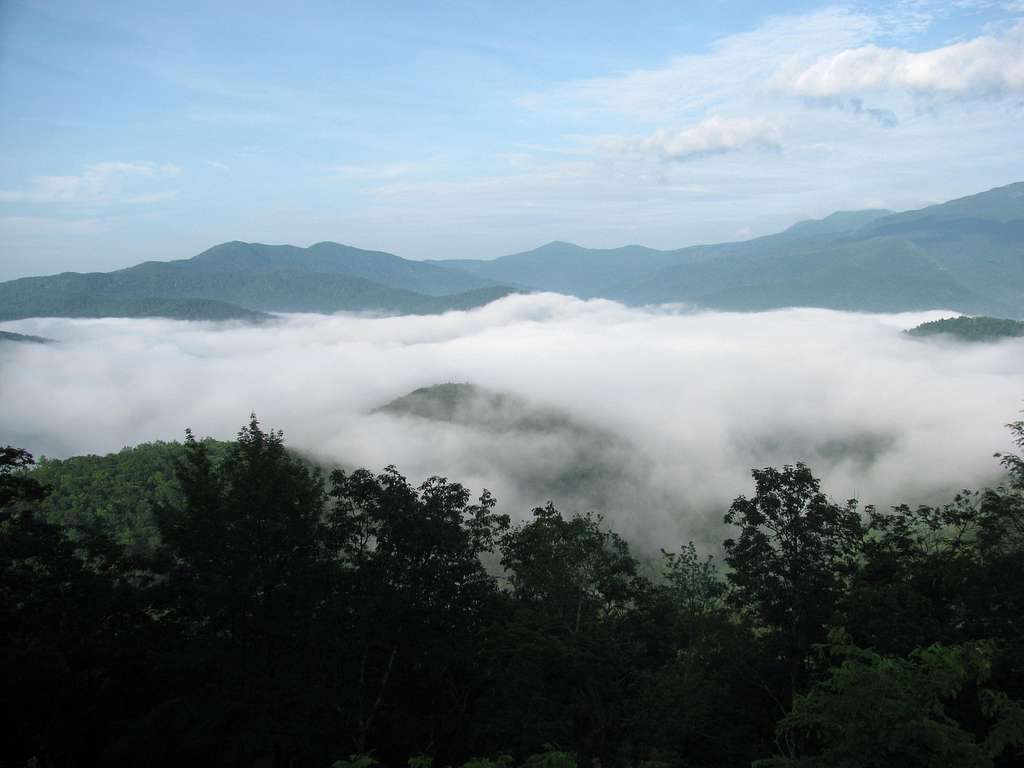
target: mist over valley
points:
(651, 417)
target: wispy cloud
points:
(731, 70)
(21, 226)
(114, 182)
(713, 136)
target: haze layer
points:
(671, 409)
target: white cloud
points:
(713, 136)
(696, 399)
(979, 68)
(112, 182)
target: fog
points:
(675, 407)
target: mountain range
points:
(965, 254)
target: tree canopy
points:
(273, 615)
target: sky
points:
(877, 415)
(464, 129)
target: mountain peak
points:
(329, 244)
(559, 245)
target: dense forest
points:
(971, 328)
(233, 605)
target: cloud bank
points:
(983, 67)
(696, 400)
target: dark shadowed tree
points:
(791, 561)
(559, 659)
(697, 692)
(15, 482)
(420, 597)
(246, 582)
(73, 632)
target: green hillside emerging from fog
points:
(23, 338)
(971, 328)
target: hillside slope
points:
(329, 258)
(973, 329)
(242, 281)
(965, 254)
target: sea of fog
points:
(694, 399)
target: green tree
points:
(71, 627)
(247, 582)
(698, 695)
(791, 561)
(875, 711)
(559, 655)
(15, 482)
(418, 600)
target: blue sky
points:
(134, 131)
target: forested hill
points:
(966, 254)
(246, 280)
(277, 617)
(117, 494)
(23, 338)
(587, 467)
(971, 328)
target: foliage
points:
(15, 484)
(573, 566)
(276, 617)
(365, 761)
(501, 761)
(795, 551)
(117, 494)
(551, 758)
(971, 328)
(874, 710)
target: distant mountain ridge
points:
(244, 281)
(336, 259)
(965, 254)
